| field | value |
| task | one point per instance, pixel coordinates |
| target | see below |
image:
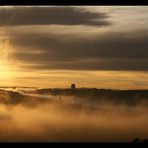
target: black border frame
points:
(74, 3)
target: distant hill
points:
(89, 95)
(118, 96)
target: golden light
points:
(6, 66)
(4, 70)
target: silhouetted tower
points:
(73, 86)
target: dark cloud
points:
(51, 15)
(112, 51)
(105, 64)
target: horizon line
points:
(65, 88)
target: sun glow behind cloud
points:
(7, 66)
(5, 71)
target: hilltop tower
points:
(73, 86)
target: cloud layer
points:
(111, 51)
(51, 15)
(63, 48)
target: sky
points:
(91, 46)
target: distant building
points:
(73, 86)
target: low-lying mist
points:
(47, 117)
